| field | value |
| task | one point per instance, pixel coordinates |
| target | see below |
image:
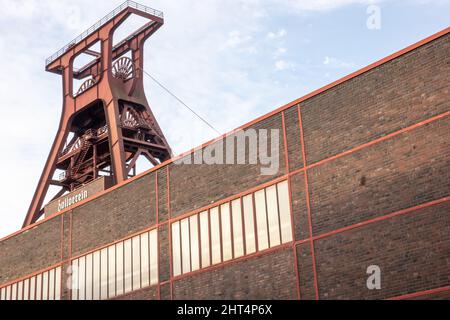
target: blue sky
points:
(232, 61)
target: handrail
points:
(100, 23)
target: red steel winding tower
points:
(106, 123)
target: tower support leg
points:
(118, 160)
(44, 181)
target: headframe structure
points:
(107, 124)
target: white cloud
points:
(278, 34)
(336, 63)
(235, 38)
(323, 5)
(280, 51)
(434, 2)
(281, 65)
(327, 5)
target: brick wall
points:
(30, 251)
(412, 251)
(209, 183)
(374, 189)
(271, 276)
(407, 170)
(150, 293)
(115, 215)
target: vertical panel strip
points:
(308, 202)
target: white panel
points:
(51, 284)
(58, 283)
(128, 266)
(185, 246)
(227, 246)
(104, 273)
(238, 236)
(45, 283)
(39, 287)
(74, 280)
(87, 280)
(285, 212)
(272, 216)
(14, 291)
(215, 236)
(26, 289)
(3, 294)
(19, 290)
(81, 285)
(119, 268)
(249, 224)
(136, 242)
(176, 249)
(96, 276)
(261, 220)
(145, 260)
(33, 288)
(8, 293)
(204, 239)
(111, 271)
(154, 276)
(195, 253)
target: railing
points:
(70, 148)
(101, 22)
(102, 130)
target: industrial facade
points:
(363, 180)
